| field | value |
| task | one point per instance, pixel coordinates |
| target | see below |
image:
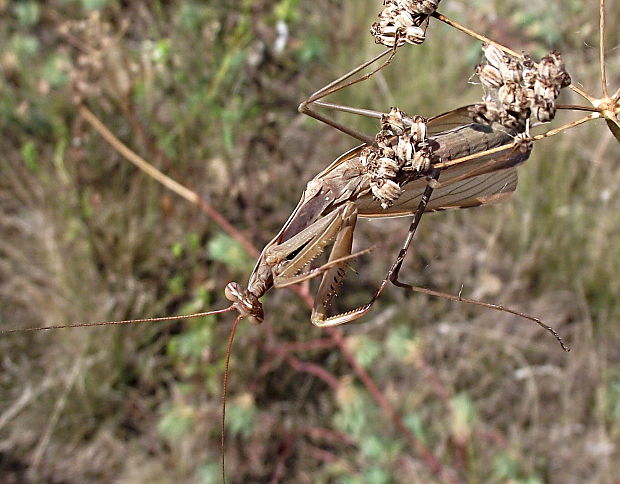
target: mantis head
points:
(245, 302)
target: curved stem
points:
(601, 51)
(165, 180)
(564, 127)
(507, 50)
(577, 107)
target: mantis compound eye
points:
(233, 292)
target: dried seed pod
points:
(510, 69)
(393, 123)
(543, 109)
(399, 22)
(524, 141)
(422, 160)
(484, 112)
(418, 129)
(521, 90)
(546, 89)
(404, 149)
(493, 55)
(385, 191)
(386, 168)
(426, 7)
(489, 76)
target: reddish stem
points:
(278, 472)
(316, 370)
(328, 435)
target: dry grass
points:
(195, 90)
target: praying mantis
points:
(480, 167)
(418, 187)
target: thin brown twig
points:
(165, 180)
(507, 50)
(328, 435)
(567, 126)
(278, 472)
(314, 369)
(601, 48)
(311, 345)
(325, 456)
(577, 107)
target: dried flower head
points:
(401, 151)
(401, 20)
(516, 89)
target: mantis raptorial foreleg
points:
(310, 243)
(326, 290)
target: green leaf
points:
(287, 10)
(54, 71)
(376, 475)
(24, 46)
(210, 473)
(415, 423)
(27, 13)
(225, 249)
(365, 349)
(176, 284)
(463, 417)
(505, 467)
(191, 343)
(176, 422)
(193, 241)
(94, 4)
(30, 155)
(177, 249)
(241, 414)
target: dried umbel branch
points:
(518, 89)
(401, 20)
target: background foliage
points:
(207, 91)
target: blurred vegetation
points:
(207, 91)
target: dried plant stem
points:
(567, 126)
(165, 180)
(507, 50)
(314, 369)
(576, 107)
(547, 134)
(61, 402)
(602, 48)
(279, 471)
